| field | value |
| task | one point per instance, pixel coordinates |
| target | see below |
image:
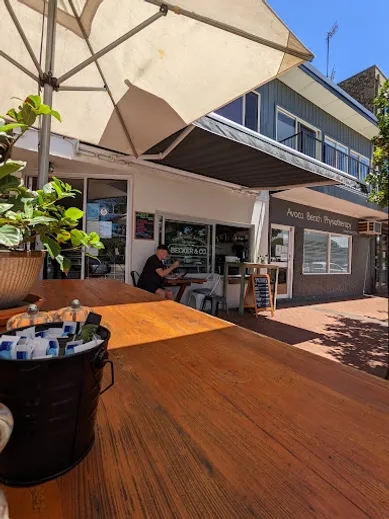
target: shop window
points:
(203, 248)
(191, 244)
(326, 253)
(231, 242)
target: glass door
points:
(106, 214)
(281, 254)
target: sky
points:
(361, 40)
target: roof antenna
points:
(330, 34)
(333, 72)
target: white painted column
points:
(260, 218)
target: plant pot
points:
(54, 404)
(19, 270)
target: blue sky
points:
(360, 42)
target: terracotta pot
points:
(18, 272)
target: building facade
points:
(314, 232)
(277, 174)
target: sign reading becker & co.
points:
(290, 213)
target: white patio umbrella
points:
(129, 73)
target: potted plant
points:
(32, 217)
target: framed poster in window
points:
(144, 226)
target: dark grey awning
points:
(222, 150)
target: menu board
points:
(144, 226)
(258, 295)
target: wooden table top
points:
(183, 281)
(207, 420)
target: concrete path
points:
(354, 332)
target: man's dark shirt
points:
(149, 279)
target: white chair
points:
(197, 295)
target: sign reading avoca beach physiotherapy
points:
(289, 213)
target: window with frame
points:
(359, 165)
(336, 154)
(245, 111)
(190, 243)
(297, 134)
(326, 253)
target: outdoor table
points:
(243, 268)
(182, 283)
(208, 420)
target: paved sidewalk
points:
(354, 332)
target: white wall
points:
(159, 193)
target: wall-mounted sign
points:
(298, 215)
(144, 226)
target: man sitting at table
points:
(154, 271)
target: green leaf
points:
(48, 188)
(63, 236)
(64, 263)
(77, 238)
(5, 207)
(56, 115)
(28, 114)
(36, 101)
(51, 245)
(9, 182)
(43, 110)
(11, 215)
(12, 113)
(11, 126)
(10, 236)
(39, 220)
(93, 238)
(74, 213)
(11, 166)
(28, 209)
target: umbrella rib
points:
(19, 66)
(231, 29)
(116, 108)
(24, 37)
(81, 89)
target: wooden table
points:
(182, 283)
(252, 268)
(207, 420)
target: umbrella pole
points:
(48, 89)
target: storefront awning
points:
(220, 149)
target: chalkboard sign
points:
(144, 226)
(258, 295)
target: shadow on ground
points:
(353, 342)
(362, 345)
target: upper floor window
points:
(335, 154)
(359, 165)
(244, 110)
(297, 134)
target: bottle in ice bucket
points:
(32, 317)
(75, 312)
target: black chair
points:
(134, 277)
